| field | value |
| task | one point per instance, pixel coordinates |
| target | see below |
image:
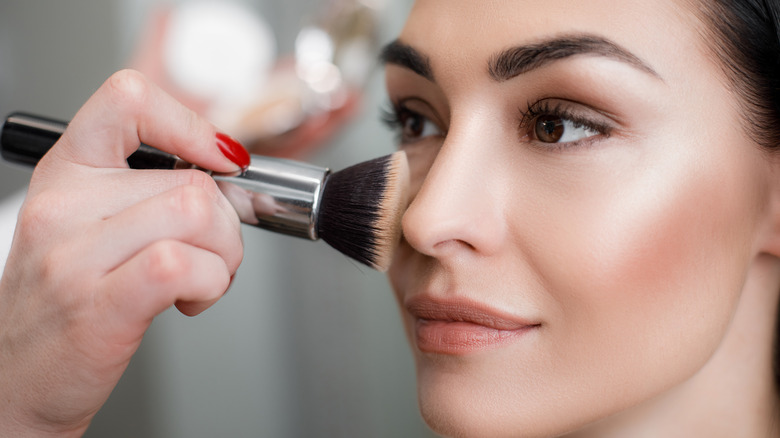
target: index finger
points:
(128, 110)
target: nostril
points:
(452, 244)
(439, 225)
(430, 230)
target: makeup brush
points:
(356, 210)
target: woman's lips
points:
(458, 327)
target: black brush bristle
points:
(360, 209)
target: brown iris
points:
(549, 128)
(413, 125)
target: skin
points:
(100, 250)
(643, 256)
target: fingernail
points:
(233, 150)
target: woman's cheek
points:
(644, 266)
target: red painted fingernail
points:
(233, 150)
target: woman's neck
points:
(734, 394)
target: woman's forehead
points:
(458, 32)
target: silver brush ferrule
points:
(273, 193)
(276, 194)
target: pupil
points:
(549, 129)
(416, 126)
(413, 126)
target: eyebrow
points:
(518, 60)
(515, 61)
(407, 56)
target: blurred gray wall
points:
(306, 343)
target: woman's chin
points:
(458, 403)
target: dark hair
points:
(746, 36)
(746, 39)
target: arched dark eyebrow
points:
(407, 56)
(515, 61)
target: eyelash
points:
(394, 115)
(559, 110)
(390, 116)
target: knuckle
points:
(197, 178)
(194, 205)
(194, 123)
(168, 261)
(128, 89)
(47, 233)
(66, 284)
(39, 214)
(50, 266)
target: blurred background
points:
(306, 343)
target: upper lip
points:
(458, 309)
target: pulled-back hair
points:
(745, 36)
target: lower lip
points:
(459, 338)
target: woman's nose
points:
(458, 207)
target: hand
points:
(100, 250)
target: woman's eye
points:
(550, 128)
(563, 123)
(410, 126)
(415, 127)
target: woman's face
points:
(585, 208)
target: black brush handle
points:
(283, 196)
(275, 194)
(25, 139)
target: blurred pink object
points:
(283, 107)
